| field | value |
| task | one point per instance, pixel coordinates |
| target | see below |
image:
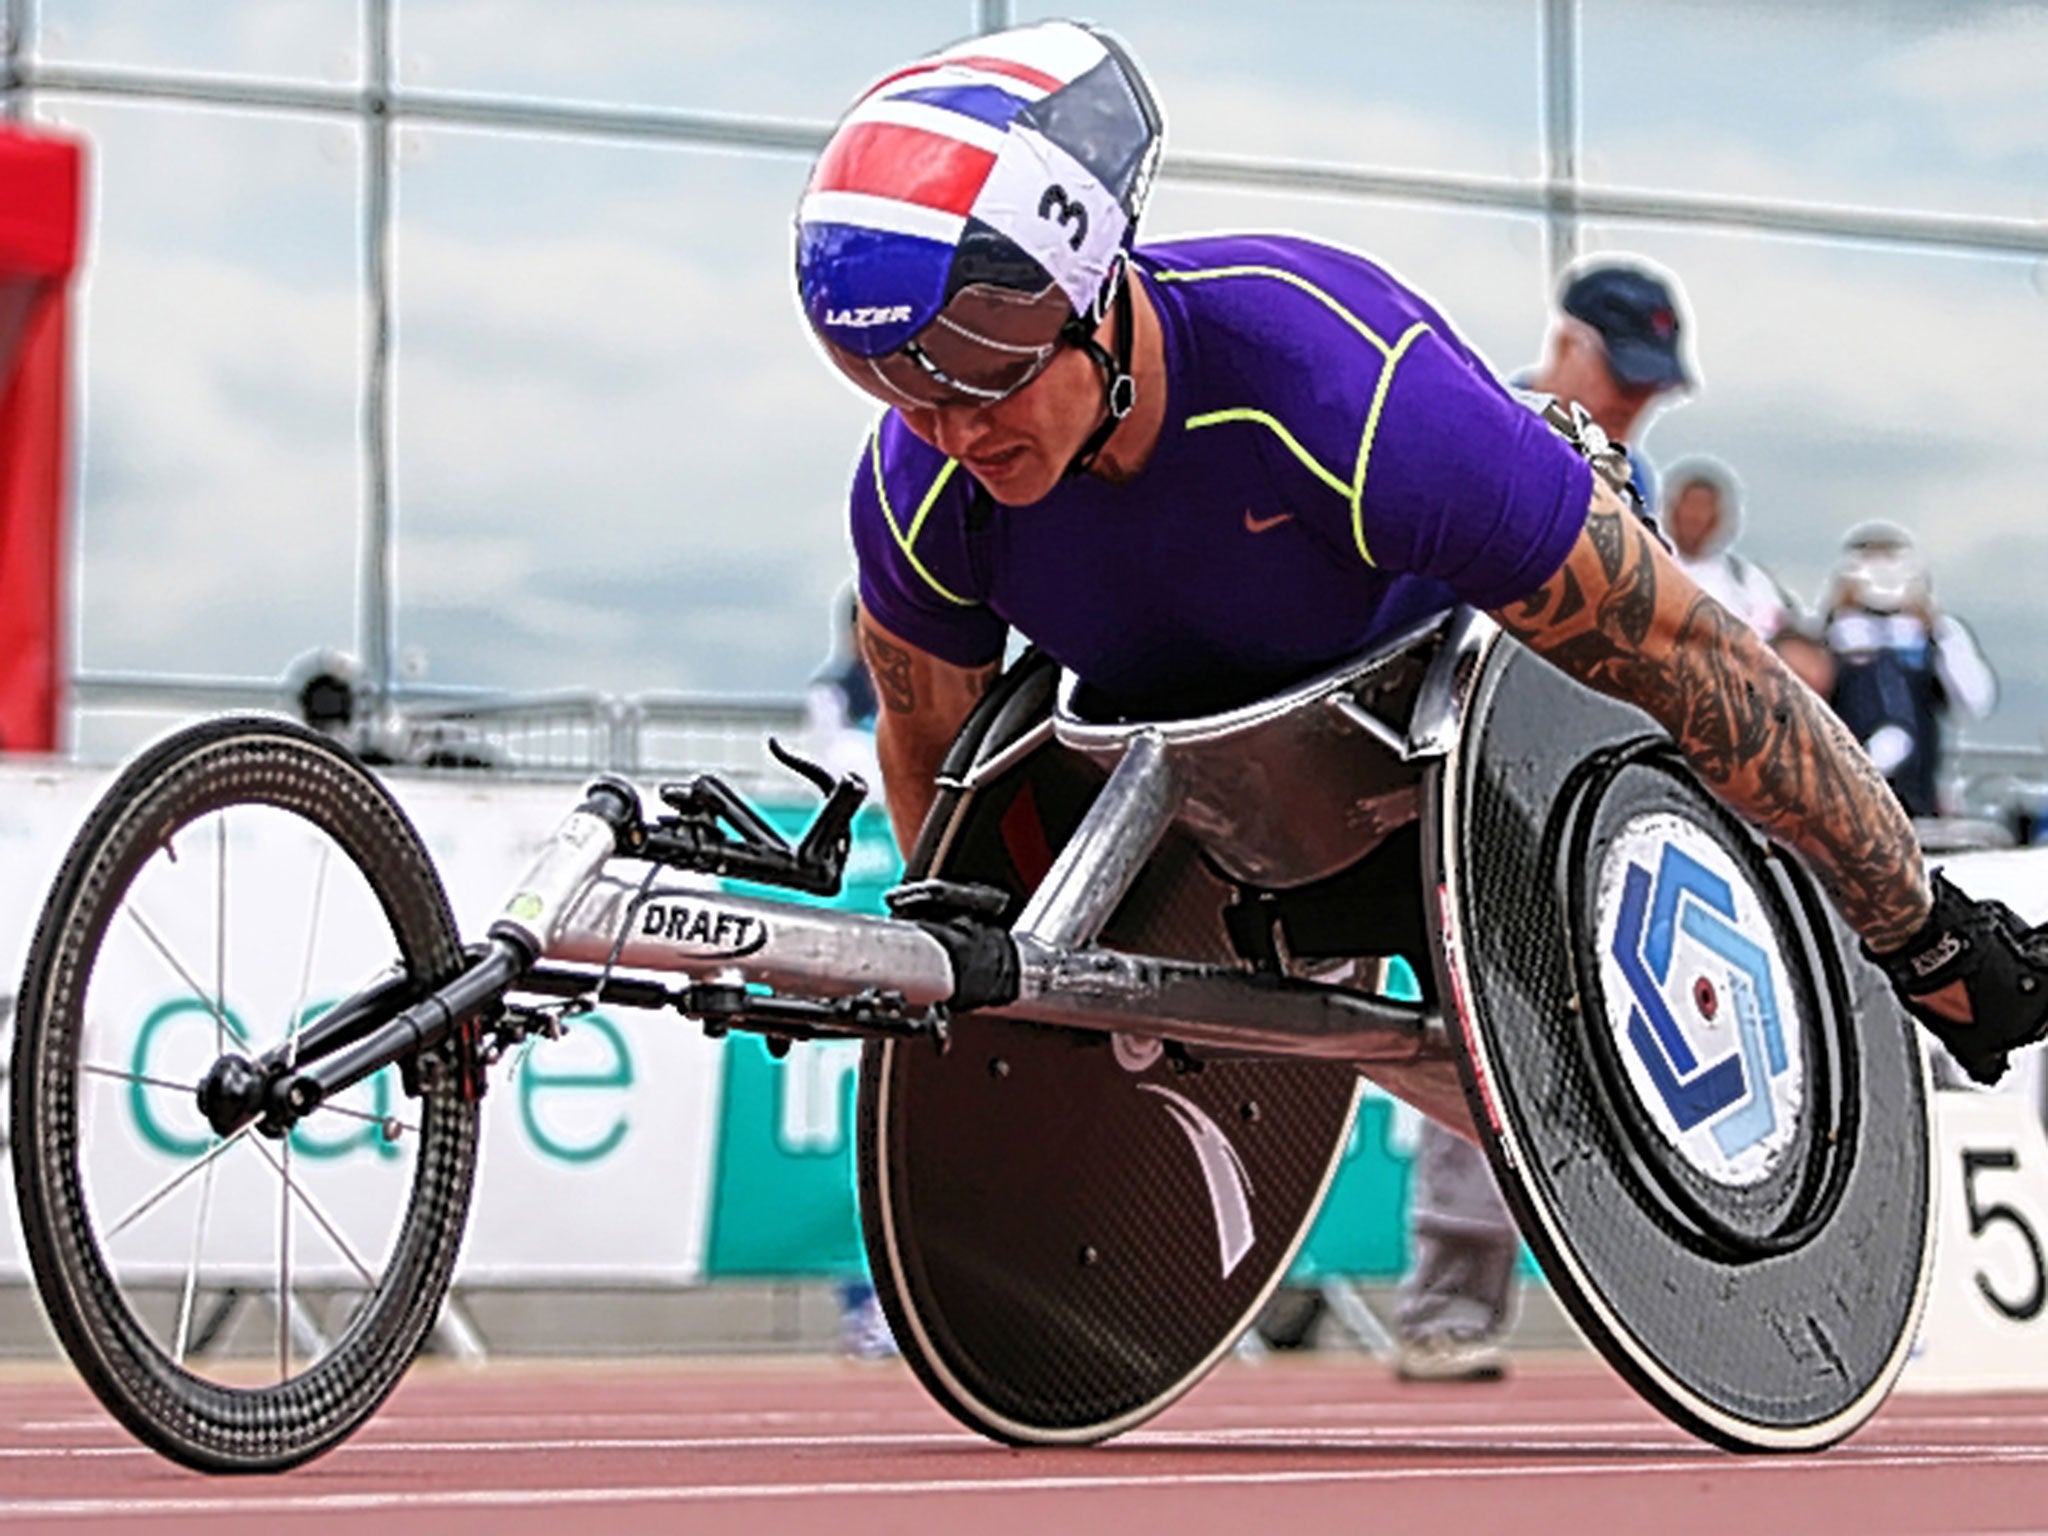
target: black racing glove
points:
(2002, 964)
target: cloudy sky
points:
(619, 465)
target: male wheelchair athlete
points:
(1114, 1028)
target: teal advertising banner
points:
(782, 1185)
(782, 1189)
(1362, 1232)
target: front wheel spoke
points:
(122, 1074)
(320, 1217)
(284, 1267)
(191, 1287)
(386, 1123)
(162, 1192)
(156, 940)
(293, 1024)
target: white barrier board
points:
(598, 1150)
(603, 1154)
(1986, 1325)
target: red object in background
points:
(39, 231)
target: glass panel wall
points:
(218, 440)
(619, 465)
(1886, 103)
(779, 58)
(1448, 86)
(300, 40)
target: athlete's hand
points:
(1976, 976)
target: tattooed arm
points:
(1622, 618)
(924, 701)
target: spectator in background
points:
(840, 705)
(1702, 515)
(1902, 667)
(1616, 348)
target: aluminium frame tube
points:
(1218, 1007)
(1101, 861)
(817, 952)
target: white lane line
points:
(1457, 1419)
(686, 1493)
(581, 1443)
(1447, 1436)
(824, 1421)
(669, 1418)
(1538, 1440)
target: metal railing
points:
(583, 733)
(2001, 784)
(566, 733)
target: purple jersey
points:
(1335, 464)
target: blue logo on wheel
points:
(1732, 1095)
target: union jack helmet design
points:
(971, 206)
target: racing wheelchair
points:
(1114, 1029)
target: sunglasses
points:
(984, 346)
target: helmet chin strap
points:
(1119, 389)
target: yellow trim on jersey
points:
(1206, 274)
(1354, 491)
(1246, 413)
(907, 542)
(1372, 426)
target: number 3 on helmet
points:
(972, 211)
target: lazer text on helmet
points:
(869, 314)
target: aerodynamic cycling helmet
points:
(973, 211)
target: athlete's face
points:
(1020, 446)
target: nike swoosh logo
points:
(1261, 524)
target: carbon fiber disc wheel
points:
(240, 1304)
(1066, 1229)
(1708, 1114)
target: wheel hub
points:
(231, 1094)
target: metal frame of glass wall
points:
(1559, 196)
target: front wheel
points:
(240, 1304)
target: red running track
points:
(1325, 1444)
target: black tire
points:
(203, 787)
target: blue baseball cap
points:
(1639, 320)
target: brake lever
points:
(822, 853)
(803, 767)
